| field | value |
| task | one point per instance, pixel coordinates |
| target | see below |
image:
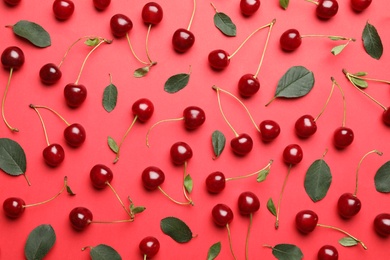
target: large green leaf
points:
(176, 229)
(32, 32)
(382, 178)
(224, 24)
(218, 141)
(176, 82)
(104, 252)
(372, 41)
(214, 251)
(110, 97)
(317, 180)
(39, 242)
(12, 157)
(287, 252)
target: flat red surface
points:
(362, 115)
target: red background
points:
(363, 116)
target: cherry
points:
(327, 252)
(248, 85)
(100, 175)
(143, 109)
(50, 74)
(75, 94)
(152, 13)
(152, 177)
(242, 144)
(348, 205)
(306, 221)
(305, 126)
(326, 9)
(54, 155)
(80, 218)
(248, 203)
(269, 130)
(382, 224)
(215, 182)
(63, 9)
(249, 7)
(222, 215)
(386, 116)
(12, 2)
(101, 5)
(149, 246)
(342, 137)
(75, 135)
(180, 153)
(12, 58)
(360, 5)
(290, 40)
(14, 207)
(120, 25)
(292, 154)
(193, 117)
(219, 59)
(182, 40)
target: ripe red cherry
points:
(80, 218)
(292, 154)
(348, 205)
(290, 40)
(182, 40)
(327, 9)
(360, 5)
(382, 224)
(100, 175)
(242, 144)
(248, 203)
(215, 182)
(149, 246)
(152, 13)
(75, 135)
(152, 177)
(386, 116)
(12, 2)
(193, 117)
(248, 85)
(305, 126)
(75, 94)
(14, 207)
(180, 153)
(219, 59)
(120, 24)
(143, 108)
(306, 221)
(249, 7)
(343, 137)
(222, 215)
(50, 74)
(54, 155)
(63, 9)
(328, 252)
(101, 5)
(12, 57)
(269, 130)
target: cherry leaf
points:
(112, 144)
(188, 183)
(338, 49)
(39, 242)
(317, 180)
(361, 83)
(176, 82)
(284, 3)
(32, 32)
(271, 206)
(214, 251)
(372, 41)
(360, 73)
(92, 42)
(12, 157)
(262, 175)
(382, 178)
(287, 252)
(225, 24)
(348, 241)
(69, 191)
(110, 97)
(176, 229)
(218, 140)
(141, 72)
(104, 252)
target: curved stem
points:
(132, 50)
(192, 16)
(52, 110)
(345, 233)
(70, 47)
(111, 222)
(124, 137)
(312, 1)
(358, 168)
(172, 199)
(344, 103)
(220, 108)
(370, 79)
(119, 199)
(247, 235)
(326, 103)
(265, 47)
(147, 43)
(268, 166)
(161, 121)
(3, 102)
(280, 197)
(43, 125)
(230, 241)
(335, 37)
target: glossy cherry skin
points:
(248, 85)
(222, 215)
(342, 137)
(101, 5)
(360, 5)
(386, 116)
(120, 25)
(382, 224)
(328, 252)
(14, 207)
(180, 153)
(219, 59)
(50, 74)
(215, 182)
(75, 94)
(348, 205)
(182, 40)
(63, 9)
(305, 126)
(269, 130)
(292, 154)
(194, 117)
(75, 135)
(80, 218)
(249, 7)
(12, 2)
(242, 144)
(149, 246)
(326, 9)
(152, 177)
(248, 203)
(12, 57)
(143, 108)
(290, 40)
(100, 175)
(306, 221)
(152, 13)
(54, 155)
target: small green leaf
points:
(287, 252)
(188, 183)
(336, 38)
(39, 242)
(214, 251)
(317, 180)
(112, 144)
(271, 206)
(12, 157)
(336, 50)
(360, 73)
(92, 42)
(262, 175)
(359, 82)
(176, 229)
(69, 191)
(104, 252)
(224, 24)
(284, 3)
(218, 140)
(382, 178)
(348, 241)
(138, 209)
(110, 97)
(176, 82)
(32, 32)
(141, 72)
(372, 41)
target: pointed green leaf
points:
(271, 206)
(112, 144)
(360, 73)
(32, 32)
(176, 229)
(176, 82)
(39, 242)
(262, 175)
(348, 241)
(287, 252)
(104, 252)
(284, 3)
(317, 180)
(138, 209)
(110, 96)
(12, 157)
(69, 191)
(336, 38)
(382, 178)
(372, 41)
(214, 251)
(336, 50)
(218, 141)
(224, 24)
(188, 183)
(141, 72)
(359, 82)
(92, 42)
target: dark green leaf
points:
(284, 3)
(359, 82)
(348, 241)
(372, 41)
(176, 229)
(188, 183)
(137, 210)
(271, 206)
(104, 252)
(218, 141)
(382, 178)
(110, 97)
(12, 157)
(214, 251)
(176, 82)
(287, 252)
(337, 49)
(262, 175)
(317, 180)
(32, 32)
(39, 242)
(224, 24)
(92, 42)
(69, 191)
(139, 73)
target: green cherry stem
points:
(345, 233)
(230, 241)
(344, 103)
(42, 123)
(358, 168)
(13, 129)
(265, 47)
(267, 167)
(124, 137)
(280, 197)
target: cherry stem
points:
(119, 199)
(132, 50)
(52, 198)
(145, 256)
(217, 89)
(124, 137)
(185, 191)
(111, 222)
(312, 1)
(215, 9)
(326, 103)
(269, 102)
(345, 233)
(280, 197)
(42, 123)
(371, 79)
(358, 168)
(172, 199)
(70, 47)
(265, 47)
(230, 241)
(28, 181)
(332, 37)
(3, 102)
(247, 235)
(267, 167)
(161, 121)
(52, 110)
(344, 103)
(147, 43)
(192, 16)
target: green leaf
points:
(176, 82)
(382, 178)
(104, 252)
(348, 241)
(336, 38)
(287, 252)
(12, 157)
(284, 3)
(317, 180)
(141, 72)
(188, 183)
(336, 50)
(271, 206)
(32, 32)
(262, 175)
(214, 251)
(360, 73)
(176, 229)
(92, 42)
(359, 82)
(112, 144)
(138, 209)
(69, 191)
(372, 42)
(110, 97)
(39, 242)
(218, 140)
(224, 24)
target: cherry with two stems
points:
(63, 9)
(12, 58)
(249, 7)
(183, 39)
(101, 5)
(325, 9)
(328, 252)
(149, 247)
(360, 5)
(382, 224)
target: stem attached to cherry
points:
(344, 103)
(326, 104)
(265, 47)
(52, 110)
(172, 199)
(358, 168)
(157, 123)
(70, 47)
(13, 129)
(230, 241)
(192, 16)
(42, 123)
(280, 197)
(124, 137)
(119, 199)
(267, 167)
(133, 52)
(247, 235)
(345, 233)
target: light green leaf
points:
(141, 72)
(372, 41)
(284, 3)
(112, 144)
(110, 97)
(214, 251)
(39, 242)
(348, 241)
(188, 183)
(92, 42)
(336, 50)
(262, 175)
(176, 229)
(271, 206)
(317, 180)
(360, 73)
(359, 82)
(224, 24)
(32, 32)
